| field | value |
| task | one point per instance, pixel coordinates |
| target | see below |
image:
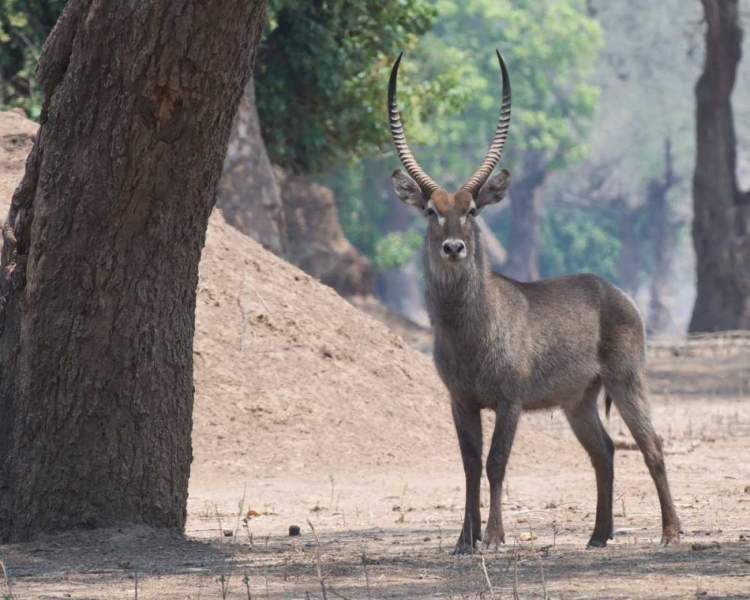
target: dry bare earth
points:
(308, 409)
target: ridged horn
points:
(427, 185)
(501, 134)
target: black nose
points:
(453, 247)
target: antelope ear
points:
(495, 189)
(407, 189)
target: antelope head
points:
(450, 230)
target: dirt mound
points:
(415, 335)
(289, 375)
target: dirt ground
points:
(310, 413)
(387, 532)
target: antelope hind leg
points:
(585, 422)
(631, 399)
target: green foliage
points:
(24, 27)
(397, 248)
(321, 72)
(361, 220)
(550, 47)
(574, 239)
(579, 240)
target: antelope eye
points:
(429, 211)
(473, 212)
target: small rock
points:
(294, 530)
(698, 546)
(228, 533)
(527, 536)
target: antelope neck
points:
(463, 296)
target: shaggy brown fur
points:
(509, 346)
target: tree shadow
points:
(369, 563)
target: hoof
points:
(461, 550)
(670, 535)
(493, 540)
(597, 542)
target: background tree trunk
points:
(248, 194)
(398, 288)
(721, 225)
(662, 232)
(100, 260)
(629, 262)
(317, 243)
(495, 250)
(526, 204)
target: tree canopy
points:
(550, 47)
(320, 75)
(24, 26)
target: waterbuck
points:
(510, 346)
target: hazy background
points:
(602, 144)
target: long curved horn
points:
(501, 134)
(427, 185)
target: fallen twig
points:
(6, 581)
(367, 576)
(278, 349)
(317, 560)
(486, 575)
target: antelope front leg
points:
(506, 422)
(468, 424)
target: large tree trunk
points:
(526, 204)
(721, 225)
(248, 194)
(100, 260)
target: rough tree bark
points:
(721, 225)
(100, 260)
(248, 194)
(526, 205)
